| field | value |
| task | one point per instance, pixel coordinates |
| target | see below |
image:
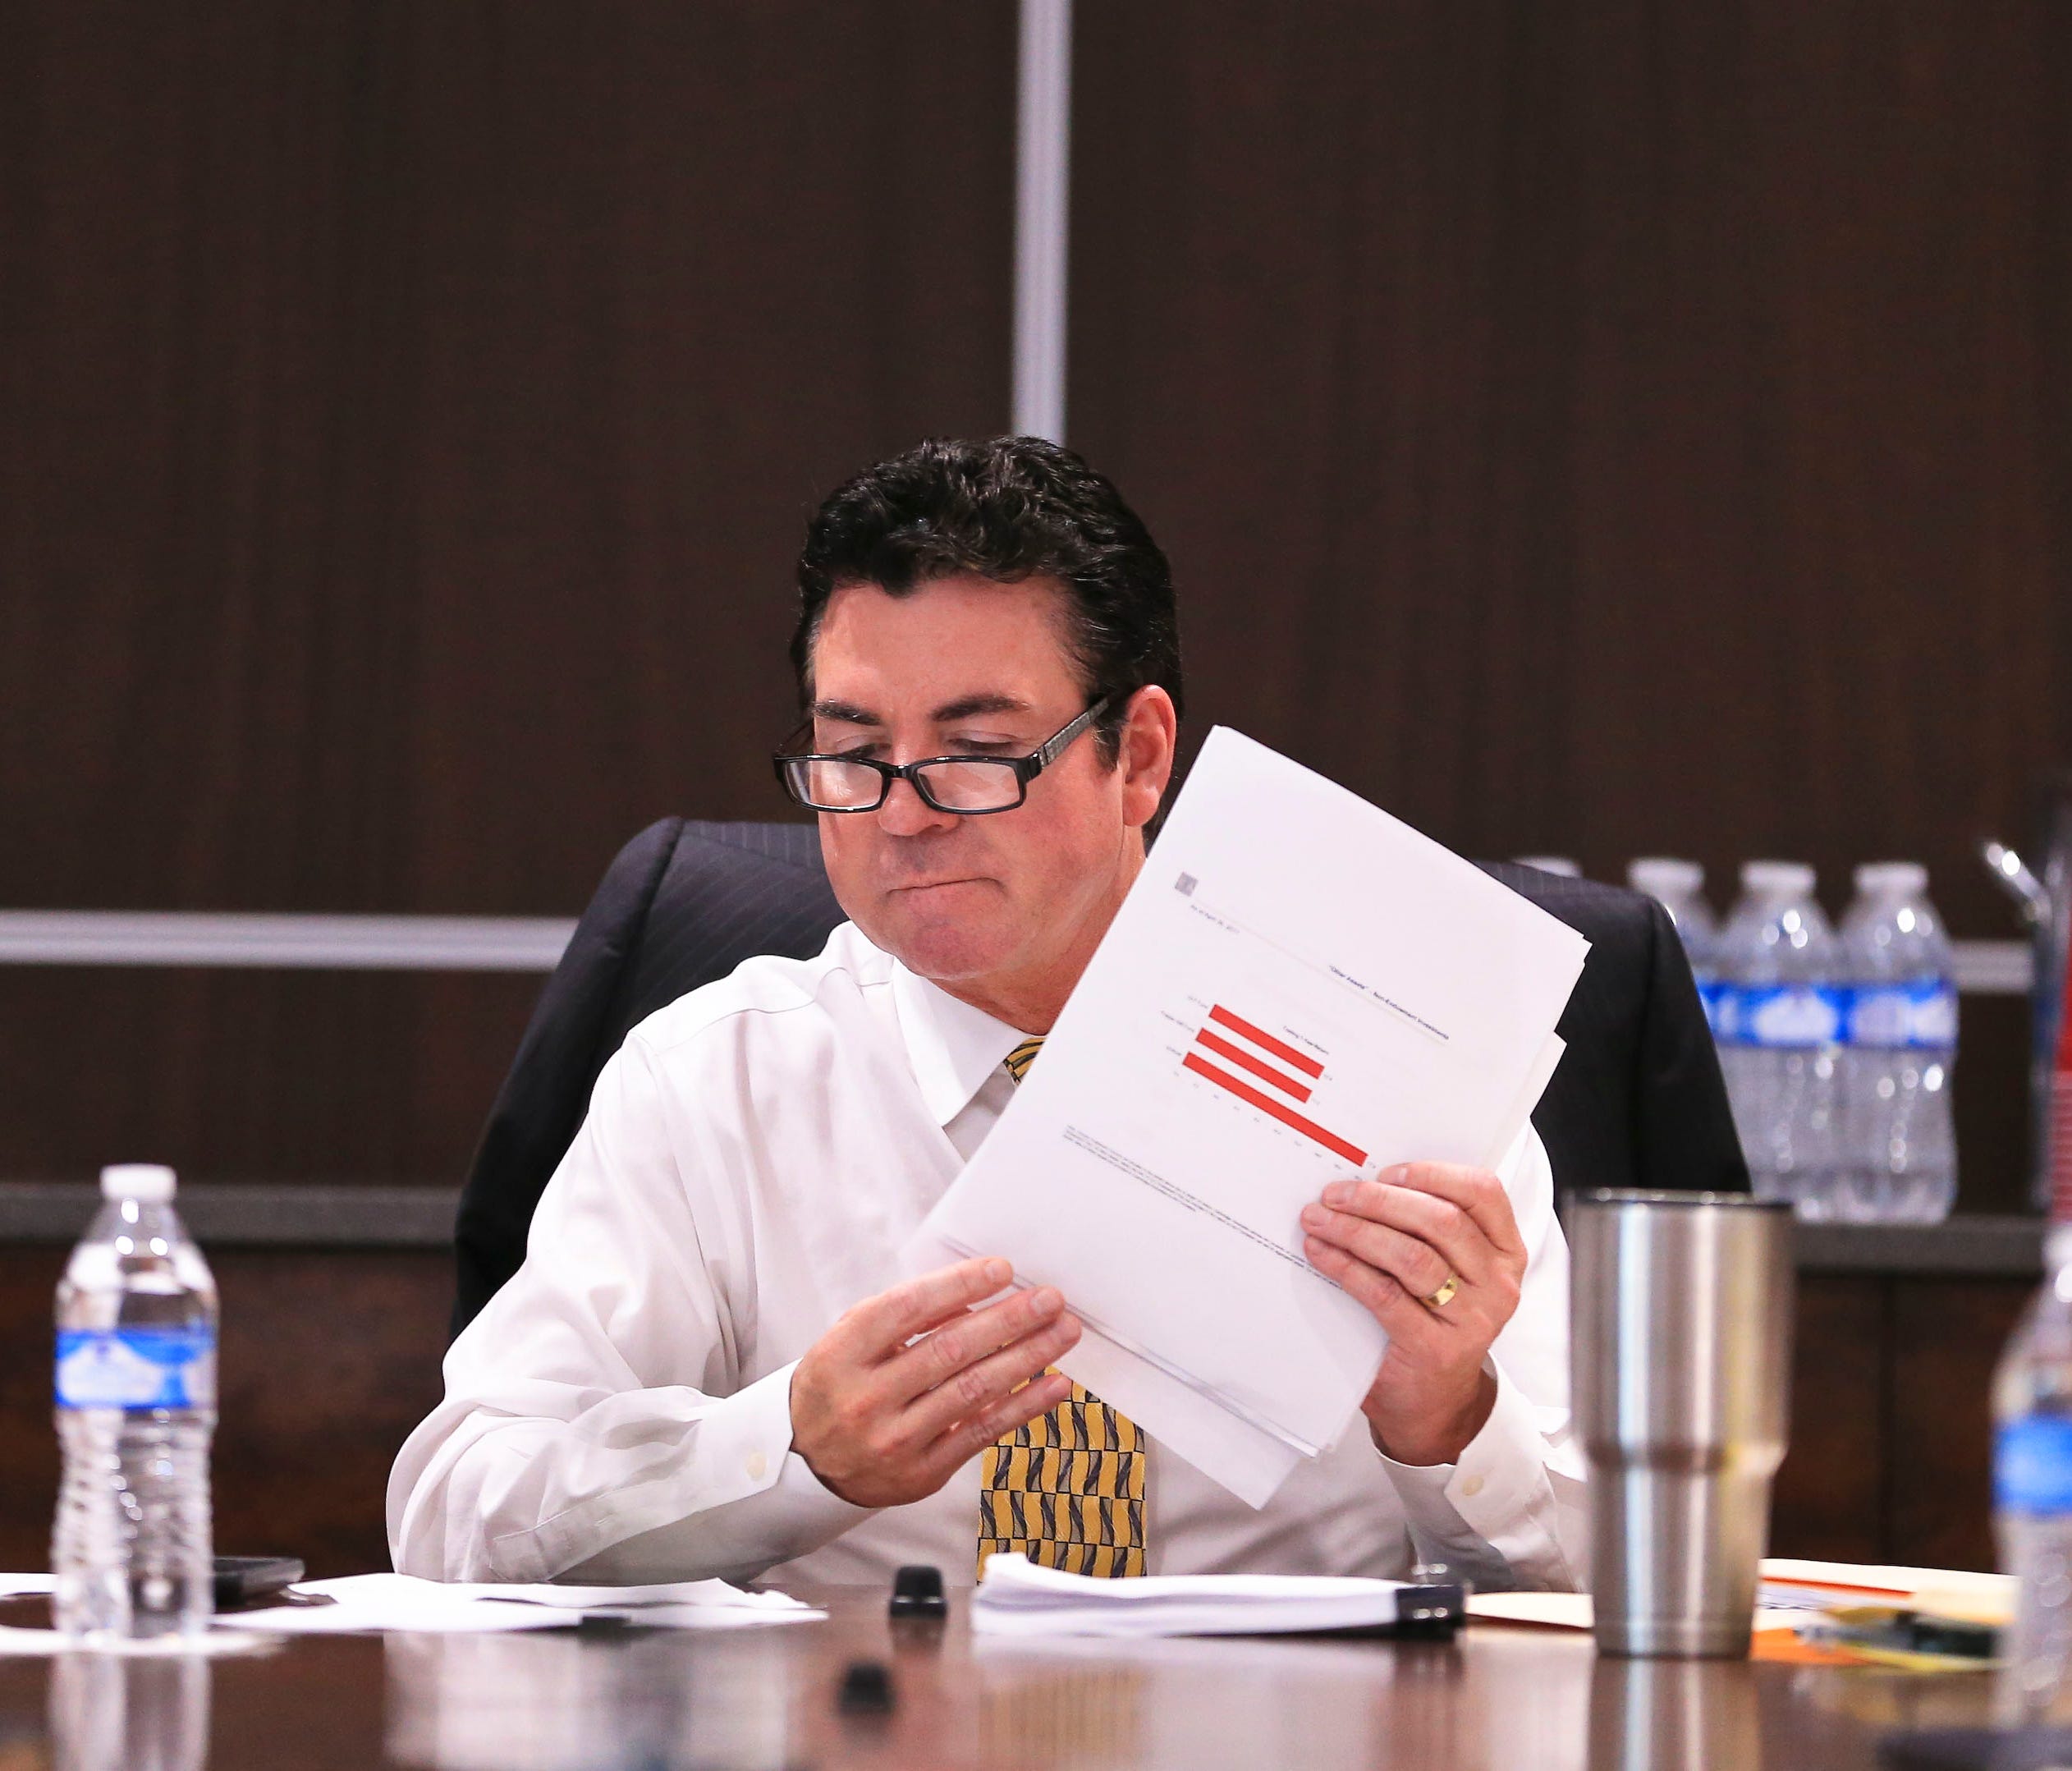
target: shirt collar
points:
(953, 1047)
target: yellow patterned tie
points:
(1067, 1489)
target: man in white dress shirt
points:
(709, 1364)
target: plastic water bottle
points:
(1780, 1022)
(2033, 1479)
(136, 1405)
(1899, 1145)
(2032, 1429)
(1679, 887)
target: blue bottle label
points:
(2033, 1466)
(1792, 1016)
(136, 1368)
(1921, 1014)
(1932, 1013)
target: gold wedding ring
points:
(1444, 1296)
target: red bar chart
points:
(1281, 1067)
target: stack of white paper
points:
(1019, 1598)
(373, 1601)
(1298, 989)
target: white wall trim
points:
(1043, 216)
(326, 943)
(345, 1216)
(310, 1214)
(478, 943)
(1993, 968)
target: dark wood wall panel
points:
(1604, 427)
(252, 1075)
(1890, 1458)
(1600, 427)
(1992, 1104)
(410, 411)
(328, 1360)
(1829, 1502)
(1946, 1338)
(408, 414)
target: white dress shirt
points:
(754, 1157)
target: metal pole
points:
(1043, 216)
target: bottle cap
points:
(1560, 865)
(1910, 877)
(1656, 874)
(1794, 877)
(151, 1182)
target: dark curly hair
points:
(1007, 508)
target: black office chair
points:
(1636, 1100)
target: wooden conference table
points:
(765, 1699)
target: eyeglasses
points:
(970, 787)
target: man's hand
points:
(881, 1422)
(1393, 1244)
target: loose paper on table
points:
(1298, 989)
(357, 1603)
(1017, 1597)
(361, 1602)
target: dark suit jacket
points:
(1636, 1100)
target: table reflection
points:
(1180, 1705)
(126, 1711)
(1884, 1699)
(765, 1700)
(1674, 1715)
(1070, 1715)
(556, 1702)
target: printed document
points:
(1299, 988)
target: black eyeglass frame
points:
(1025, 768)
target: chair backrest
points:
(682, 905)
(1636, 1100)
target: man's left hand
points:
(1395, 1244)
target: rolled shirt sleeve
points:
(1512, 1511)
(580, 1419)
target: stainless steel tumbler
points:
(1680, 1351)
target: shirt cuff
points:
(746, 1440)
(744, 1502)
(788, 1511)
(1494, 1488)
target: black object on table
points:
(1423, 1614)
(240, 1580)
(917, 1592)
(1430, 1613)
